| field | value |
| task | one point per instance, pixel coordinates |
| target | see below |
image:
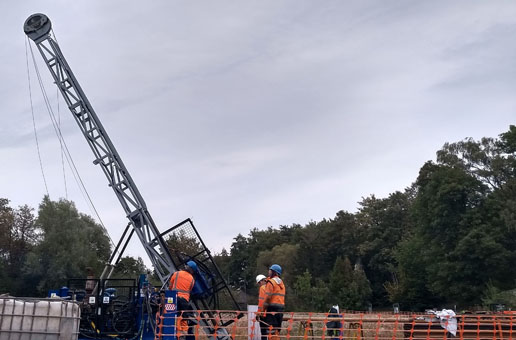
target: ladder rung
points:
(73, 106)
(98, 160)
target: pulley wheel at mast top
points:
(37, 26)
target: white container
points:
(38, 319)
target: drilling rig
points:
(209, 281)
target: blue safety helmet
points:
(276, 268)
(192, 265)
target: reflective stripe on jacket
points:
(274, 293)
(261, 299)
(183, 282)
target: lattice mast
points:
(38, 27)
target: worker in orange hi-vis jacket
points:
(261, 280)
(274, 303)
(183, 282)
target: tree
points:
(6, 223)
(454, 239)
(328, 239)
(285, 255)
(307, 296)
(129, 267)
(19, 235)
(303, 292)
(183, 243)
(361, 289)
(349, 287)
(409, 285)
(182, 246)
(320, 296)
(382, 224)
(240, 263)
(70, 243)
(445, 196)
(492, 161)
(245, 251)
(222, 261)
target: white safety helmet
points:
(260, 277)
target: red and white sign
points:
(170, 307)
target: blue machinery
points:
(122, 309)
(107, 319)
(169, 312)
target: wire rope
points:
(62, 151)
(34, 120)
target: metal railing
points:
(356, 326)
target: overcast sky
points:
(243, 114)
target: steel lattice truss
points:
(105, 154)
(38, 28)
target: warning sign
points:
(170, 307)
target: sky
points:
(253, 114)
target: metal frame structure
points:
(38, 28)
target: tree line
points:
(447, 240)
(41, 253)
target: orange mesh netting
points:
(354, 326)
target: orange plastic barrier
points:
(358, 326)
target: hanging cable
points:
(34, 120)
(67, 154)
(62, 151)
(59, 125)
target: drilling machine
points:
(125, 308)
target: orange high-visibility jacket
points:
(183, 282)
(274, 293)
(261, 299)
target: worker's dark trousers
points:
(264, 330)
(274, 319)
(183, 305)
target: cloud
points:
(245, 115)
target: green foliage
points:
(492, 295)
(444, 211)
(382, 225)
(303, 285)
(180, 242)
(309, 297)
(284, 254)
(409, 287)
(19, 235)
(349, 287)
(492, 161)
(240, 266)
(320, 296)
(327, 240)
(222, 260)
(507, 141)
(129, 267)
(70, 243)
(436, 243)
(245, 251)
(464, 235)
(303, 292)
(450, 238)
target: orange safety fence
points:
(352, 326)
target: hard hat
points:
(260, 277)
(192, 265)
(276, 268)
